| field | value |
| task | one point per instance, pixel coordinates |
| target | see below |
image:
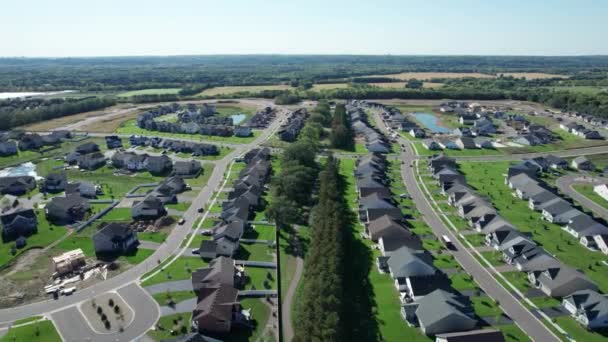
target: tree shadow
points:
(359, 319)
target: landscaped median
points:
(587, 191)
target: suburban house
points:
(560, 281)
(602, 190)
(431, 144)
(18, 185)
(91, 161)
(187, 169)
(150, 208)
(69, 261)
(588, 307)
(221, 270)
(85, 189)
(225, 240)
(582, 163)
(440, 312)
(158, 164)
(30, 142)
(560, 212)
(8, 148)
(218, 310)
(55, 182)
(584, 228)
(413, 273)
(17, 221)
(87, 148)
(114, 239)
(113, 141)
(69, 209)
(381, 226)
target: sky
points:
(58, 28)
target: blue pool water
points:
(27, 169)
(238, 118)
(431, 122)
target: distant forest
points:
(128, 73)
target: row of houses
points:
(580, 131)
(523, 180)
(427, 299)
(11, 143)
(153, 204)
(586, 118)
(262, 118)
(244, 198)
(578, 293)
(134, 162)
(87, 156)
(178, 146)
(375, 142)
(442, 143)
(290, 130)
(191, 120)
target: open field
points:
(237, 89)
(70, 119)
(161, 91)
(533, 75)
(401, 85)
(429, 75)
(110, 124)
(326, 86)
(590, 90)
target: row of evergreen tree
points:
(341, 130)
(321, 310)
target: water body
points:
(8, 95)
(238, 118)
(26, 169)
(431, 121)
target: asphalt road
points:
(575, 152)
(531, 325)
(132, 275)
(72, 325)
(564, 184)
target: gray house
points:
(114, 239)
(55, 182)
(588, 307)
(441, 312)
(561, 281)
(8, 148)
(69, 209)
(188, 169)
(18, 185)
(150, 208)
(18, 221)
(158, 164)
(413, 272)
(583, 164)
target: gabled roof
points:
(405, 263)
(441, 305)
(220, 271)
(592, 303)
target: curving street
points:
(565, 183)
(63, 310)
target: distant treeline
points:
(131, 73)
(15, 113)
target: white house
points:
(602, 190)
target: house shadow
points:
(242, 253)
(112, 257)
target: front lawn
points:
(178, 296)
(485, 307)
(180, 269)
(462, 281)
(43, 331)
(180, 323)
(158, 237)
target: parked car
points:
(68, 291)
(181, 221)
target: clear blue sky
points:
(174, 27)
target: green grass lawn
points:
(485, 307)
(423, 151)
(138, 256)
(203, 178)
(178, 296)
(578, 332)
(262, 232)
(118, 214)
(589, 90)
(494, 257)
(476, 239)
(130, 127)
(488, 179)
(159, 237)
(462, 281)
(43, 331)
(114, 185)
(254, 252)
(512, 333)
(47, 234)
(27, 320)
(258, 278)
(158, 91)
(179, 322)
(180, 269)
(445, 261)
(181, 206)
(587, 191)
(518, 279)
(544, 302)
(260, 313)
